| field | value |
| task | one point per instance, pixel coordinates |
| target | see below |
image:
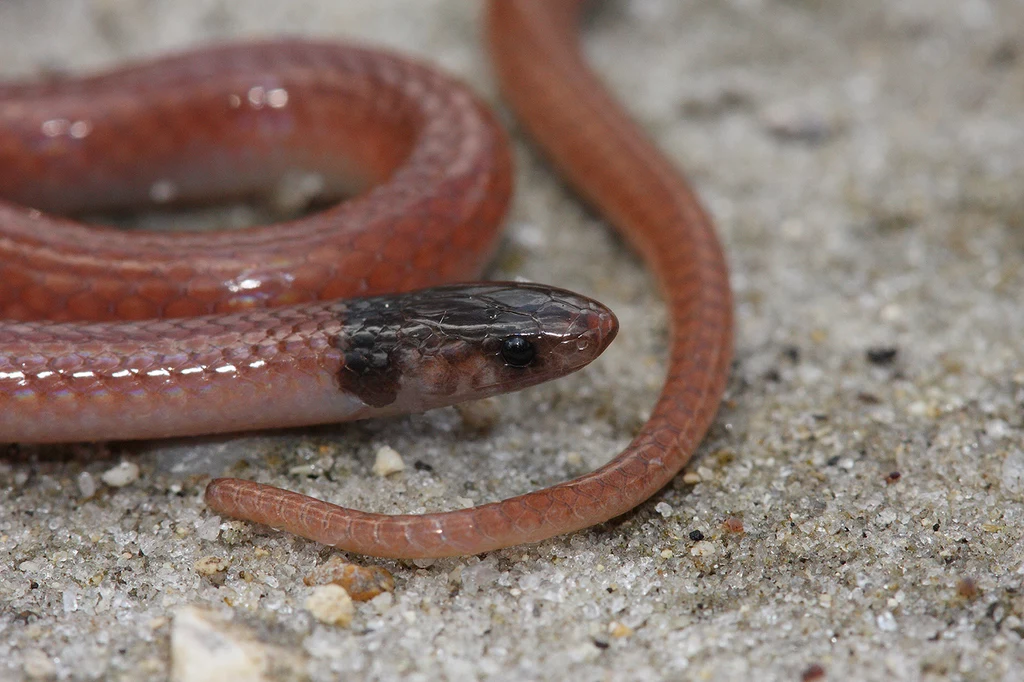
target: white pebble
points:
(296, 189)
(479, 576)
(69, 600)
(331, 604)
(886, 621)
(206, 648)
(997, 428)
(30, 566)
(383, 602)
(388, 461)
(211, 565)
(209, 529)
(1013, 471)
(480, 415)
(123, 474)
(86, 484)
(703, 549)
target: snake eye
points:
(517, 351)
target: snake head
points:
(436, 347)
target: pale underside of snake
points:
(113, 335)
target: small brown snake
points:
(113, 335)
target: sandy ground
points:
(864, 162)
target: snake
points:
(349, 312)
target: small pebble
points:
(1012, 474)
(479, 415)
(478, 576)
(213, 568)
(207, 648)
(812, 673)
(798, 122)
(886, 622)
(691, 478)
(882, 355)
(967, 588)
(362, 583)
(123, 474)
(331, 605)
(296, 189)
(209, 528)
(383, 602)
(696, 535)
(733, 524)
(892, 477)
(998, 428)
(388, 461)
(87, 485)
(619, 630)
(703, 549)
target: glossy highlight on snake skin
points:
(582, 129)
